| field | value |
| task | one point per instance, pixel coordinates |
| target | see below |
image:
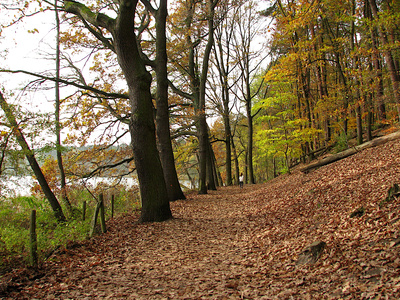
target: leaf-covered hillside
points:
(244, 243)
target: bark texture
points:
(153, 191)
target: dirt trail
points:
(243, 243)
(202, 253)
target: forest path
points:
(202, 253)
(243, 243)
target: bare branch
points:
(84, 87)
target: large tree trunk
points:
(55, 205)
(153, 191)
(162, 115)
(155, 202)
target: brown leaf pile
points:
(243, 243)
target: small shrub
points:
(341, 143)
(15, 214)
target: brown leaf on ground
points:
(244, 243)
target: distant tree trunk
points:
(228, 150)
(274, 164)
(379, 94)
(236, 162)
(55, 205)
(211, 172)
(369, 118)
(390, 62)
(321, 83)
(64, 195)
(250, 131)
(342, 78)
(162, 114)
(356, 80)
(359, 124)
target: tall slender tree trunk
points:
(228, 150)
(64, 195)
(227, 136)
(250, 131)
(203, 128)
(356, 80)
(342, 78)
(162, 114)
(376, 61)
(321, 83)
(211, 169)
(55, 205)
(394, 77)
(236, 161)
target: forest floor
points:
(244, 243)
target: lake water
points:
(12, 186)
(21, 185)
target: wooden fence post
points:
(83, 210)
(112, 206)
(94, 220)
(102, 214)
(33, 240)
(99, 209)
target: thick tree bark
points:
(162, 115)
(55, 205)
(153, 191)
(155, 202)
